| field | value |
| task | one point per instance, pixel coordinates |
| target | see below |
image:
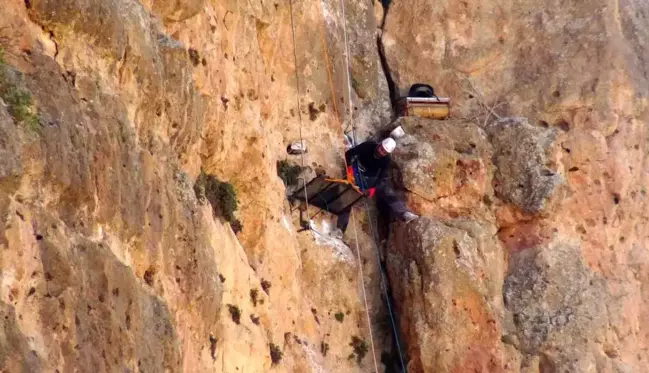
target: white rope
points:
(367, 310)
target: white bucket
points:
(296, 147)
(397, 133)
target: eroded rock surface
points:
(447, 278)
(560, 91)
(108, 259)
(530, 255)
(559, 309)
(521, 155)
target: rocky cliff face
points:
(529, 256)
(109, 261)
(562, 187)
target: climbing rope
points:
(350, 122)
(335, 107)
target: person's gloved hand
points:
(370, 192)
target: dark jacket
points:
(372, 168)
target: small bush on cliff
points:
(360, 348)
(324, 348)
(19, 102)
(275, 354)
(221, 196)
(339, 316)
(254, 293)
(235, 313)
(288, 172)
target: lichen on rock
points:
(521, 158)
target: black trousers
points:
(386, 193)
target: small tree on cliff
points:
(221, 196)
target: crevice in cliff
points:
(391, 358)
(384, 62)
(388, 75)
(386, 6)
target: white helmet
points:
(389, 144)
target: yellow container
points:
(433, 108)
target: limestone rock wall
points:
(529, 256)
(108, 260)
(558, 93)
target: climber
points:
(368, 162)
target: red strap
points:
(350, 174)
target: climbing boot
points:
(408, 216)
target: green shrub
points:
(253, 296)
(288, 172)
(235, 312)
(236, 226)
(360, 348)
(324, 348)
(275, 354)
(339, 316)
(194, 56)
(254, 319)
(20, 107)
(19, 102)
(265, 284)
(221, 196)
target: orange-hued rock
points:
(529, 256)
(108, 259)
(447, 280)
(561, 92)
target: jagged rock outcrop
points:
(558, 308)
(446, 166)
(530, 255)
(471, 298)
(447, 279)
(569, 173)
(522, 177)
